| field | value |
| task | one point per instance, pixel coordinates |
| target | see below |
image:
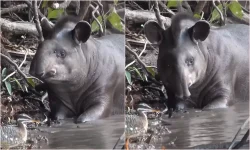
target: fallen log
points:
(18, 27)
(141, 16)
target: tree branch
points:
(157, 14)
(13, 8)
(18, 28)
(199, 7)
(37, 22)
(141, 16)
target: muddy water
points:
(186, 130)
(206, 127)
(102, 134)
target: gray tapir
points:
(204, 65)
(84, 76)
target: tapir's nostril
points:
(41, 74)
(52, 72)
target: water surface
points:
(204, 127)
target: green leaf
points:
(137, 71)
(115, 21)
(236, 9)
(8, 86)
(18, 83)
(4, 73)
(198, 16)
(54, 13)
(115, 2)
(151, 71)
(95, 26)
(45, 3)
(30, 80)
(128, 77)
(215, 14)
(173, 3)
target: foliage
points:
(113, 18)
(11, 83)
(233, 6)
(128, 76)
(173, 3)
(52, 13)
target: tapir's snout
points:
(40, 72)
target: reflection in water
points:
(101, 134)
(187, 130)
(207, 127)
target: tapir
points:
(205, 67)
(84, 76)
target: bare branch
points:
(102, 14)
(157, 14)
(185, 3)
(141, 16)
(36, 20)
(84, 7)
(93, 15)
(166, 8)
(13, 8)
(17, 68)
(199, 7)
(18, 28)
(145, 45)
(221, 15)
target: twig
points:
(37, 22)
(224, 12)
(221, 15)
(199, 7)
(102, 15)
(137, 58)
(13, 8)
(84, 7)
(185, 3)
(157, 14)
(166, 8)
(145, 45)
(242, 127)
(18, 70)
(25, 56)
(93, 15)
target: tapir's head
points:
(181, 62)
(58, 57)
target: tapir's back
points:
(237, 39)
(118, 40)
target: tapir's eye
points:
(60, 53)
(190, 61)
(63, 53)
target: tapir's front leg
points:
(58, 110)
(218, 99)
(175, 103)
(97, 110)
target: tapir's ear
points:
(153, 32)
(199, 31)
(82, 31)
(47, 27)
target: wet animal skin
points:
(208, 66)
(84, 76)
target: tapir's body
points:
(208, 66)
(84, 75)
